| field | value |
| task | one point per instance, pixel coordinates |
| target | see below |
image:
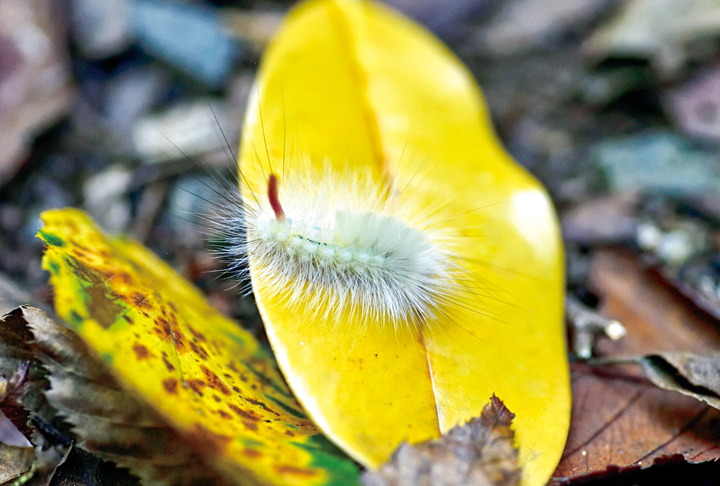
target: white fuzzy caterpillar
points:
(352, 247)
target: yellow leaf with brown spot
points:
(206, 376)
(383, 150)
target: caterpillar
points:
(353, 251)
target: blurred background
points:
(122, 107)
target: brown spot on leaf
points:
(261, 405)
(224, 414)
(196, 385)
(197, 334)
(162, 329)
(140, 300)
(177, 335)
(251, 452)
(199, 351)
(169, 329)
(141, 351)
(246, 414)
(250, 425)
(79, 246)
(116, 277)
(171, 385)
(296, 471)
(168, 364)
(214, 381)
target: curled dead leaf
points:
(80, 468)
(694, 375)
(479, 453)
(23, 382)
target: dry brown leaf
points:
(14, 461)
(479, 453)
(23, 381)
(620, 418)
(81, 468)
(694, 375)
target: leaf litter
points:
(694, 375)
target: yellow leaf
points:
(365, 117)
(210, 379)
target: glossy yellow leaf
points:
(356, 103)
(210, 379)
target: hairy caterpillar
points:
(358, 251)
(404, 267)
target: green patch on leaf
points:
(327, 456)
(50, 238)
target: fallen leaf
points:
(694, 375)
(479, 453)
(619, 418)
(623, 421)
(81, 468)
(177, 362)
(360, 111)
(24, 381)
(23, 404)
(14, 461)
